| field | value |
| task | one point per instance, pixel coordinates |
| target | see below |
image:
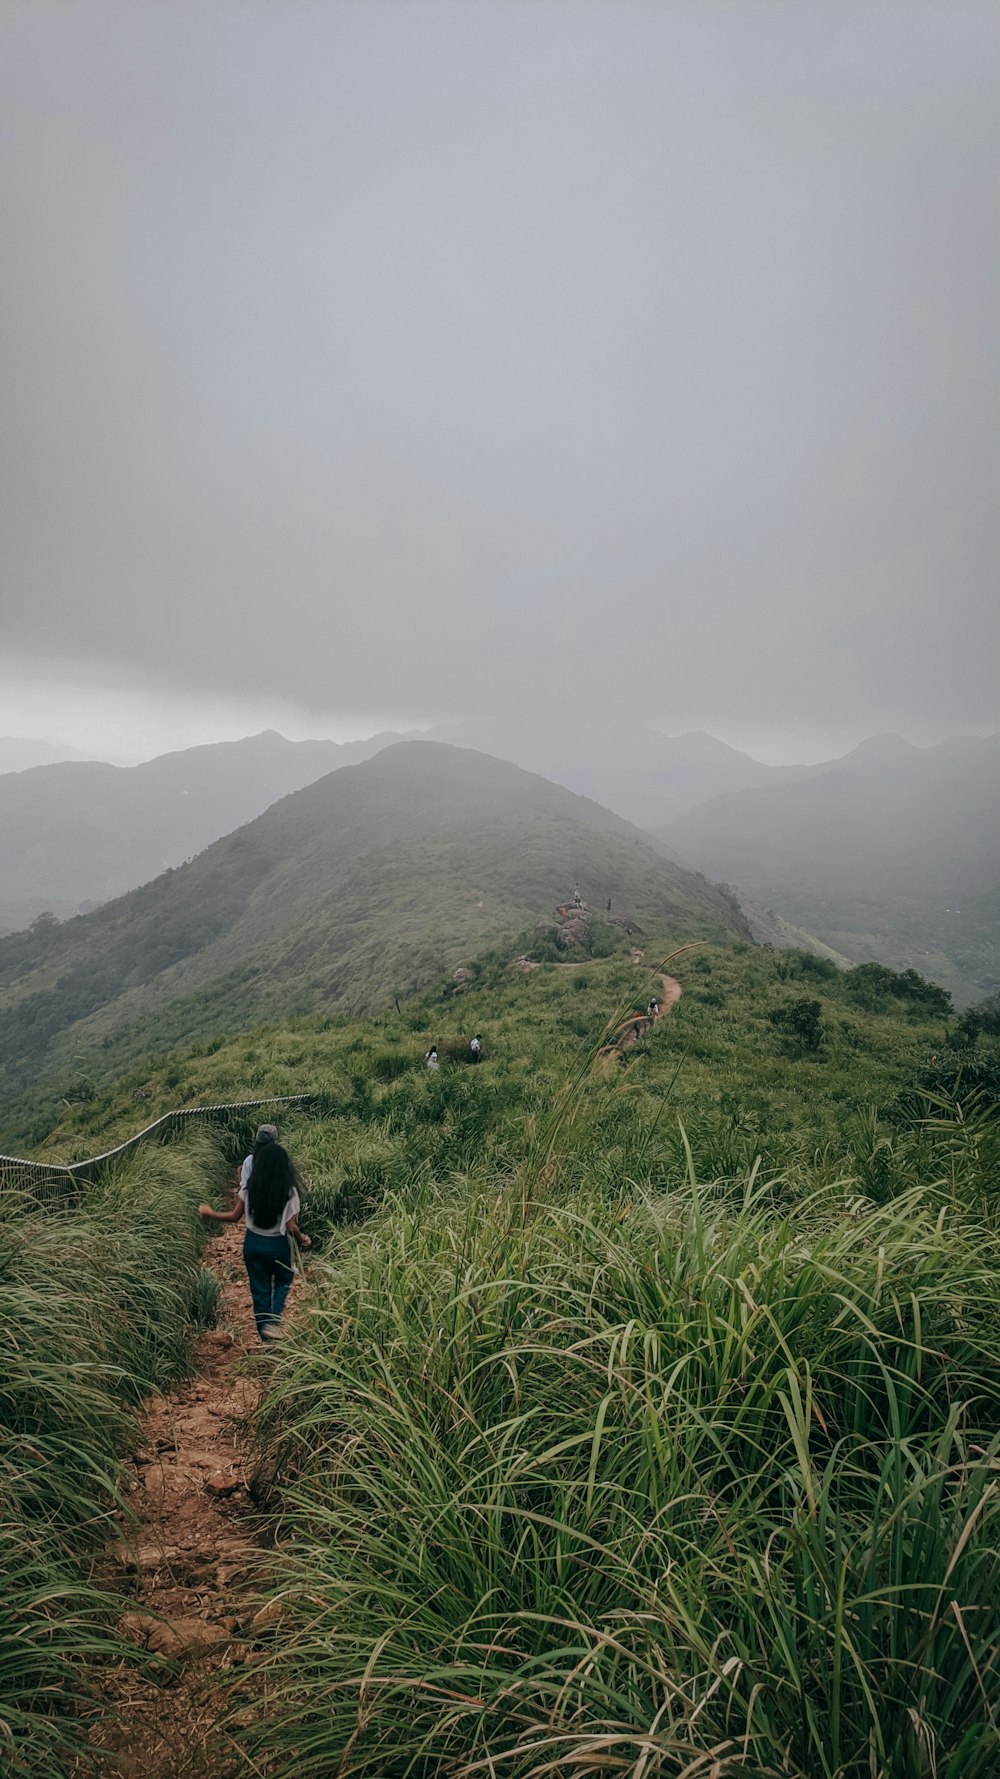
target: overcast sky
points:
(372, 361)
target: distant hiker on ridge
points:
(577, 898)
(476, 1047)
(431, 1059)
(268, 1197)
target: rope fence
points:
(56, 1178)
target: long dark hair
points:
(272, 1181)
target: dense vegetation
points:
(625, 1451)
(683, 1483)
(747, 1083)
(356, 891)
(97, 1301)
(642, 1416)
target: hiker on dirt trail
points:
(268, 1198)
(653, 1009)
(431, 1059)
(476, 1048)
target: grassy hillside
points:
(738, 1060)
(354, 891)
(77, 833)
(892, 854)
(642, 1414)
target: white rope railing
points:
(20, 1170)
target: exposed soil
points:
(637, 1025)
(191, 1551)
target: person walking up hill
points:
(476, 1047)
(269, 1199)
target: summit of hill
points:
(79, 832)
(355, 891)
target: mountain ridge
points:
(81, 832)
(891, 854)
(364, 885)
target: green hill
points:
(758, 1075)
(355, 891)
(78, 832)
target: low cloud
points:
(437, 360)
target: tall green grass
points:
(95, 1313)
(698, 1483)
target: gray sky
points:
(370, 361)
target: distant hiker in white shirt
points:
(476, 1047)
(431, 1059)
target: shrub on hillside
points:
(875, 987)
(801, 1021)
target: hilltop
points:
(79, 832)
(891, 855)
(350, 893)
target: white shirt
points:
(292, 1208)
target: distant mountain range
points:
(18, 753)
(891, 854)
(367, 885)
(620, 761)
(78, 833)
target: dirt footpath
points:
(191, 1556)
(637, 1024)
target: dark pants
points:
(268, 1260)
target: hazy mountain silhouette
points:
(18, 753)
(619, 760)
(365, 885)
(79, 833)
(82, 832)
(891, 853)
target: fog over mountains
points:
(18, 753)
(361, 887)
(890, 853)
(79, 833)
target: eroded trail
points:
(192, 1556)
(637, 1024)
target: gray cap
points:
(266, 1133)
